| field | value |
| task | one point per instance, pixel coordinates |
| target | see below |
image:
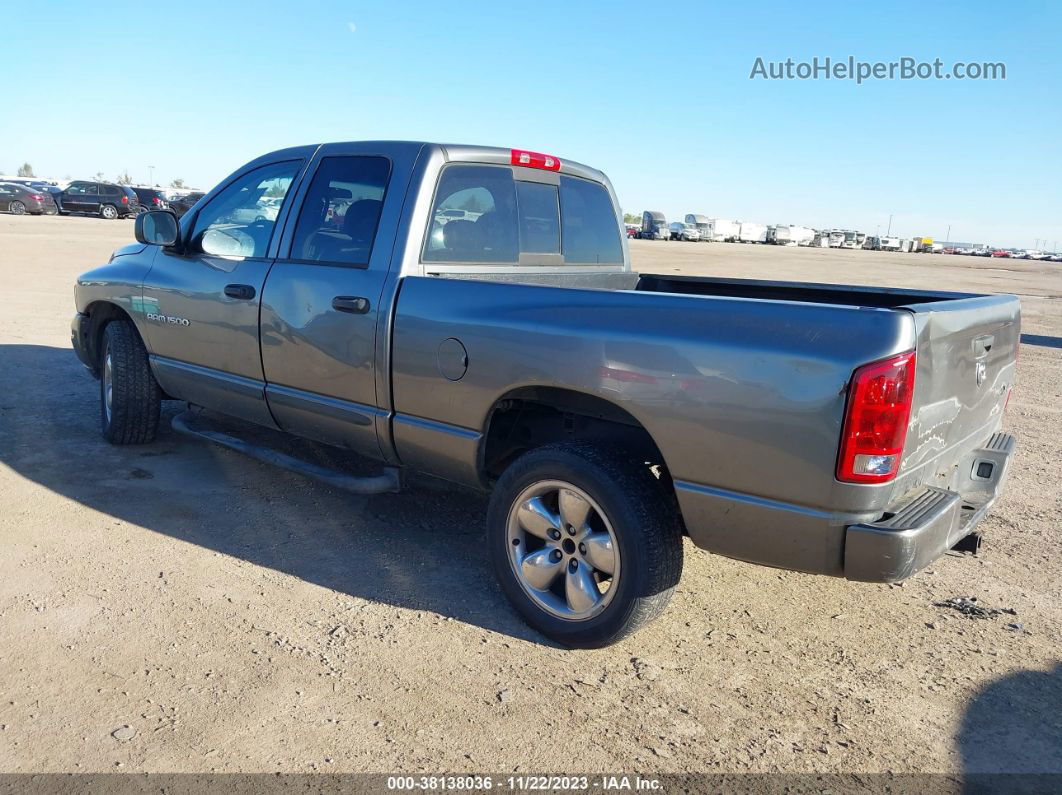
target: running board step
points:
(388, 481)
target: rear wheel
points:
(584, 542)
(17, 208)
(130, 398)
(109, 211)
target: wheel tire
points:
(130, 413)
(644, 525)
(17, 208)
(109, 211)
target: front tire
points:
(130, 398)
(109, 211)
(585, 543)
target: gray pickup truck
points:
(471, 313)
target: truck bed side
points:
(744, 395)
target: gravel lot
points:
(178, 607)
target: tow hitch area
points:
(189, 424)
(969, 545)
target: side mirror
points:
(156, 228)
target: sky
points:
(656, 95)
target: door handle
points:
(241, 291)
(354, 304)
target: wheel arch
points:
(100, 313)
(532, 416)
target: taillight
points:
(37, 196)
(156, 200)
(875, 420)
(521, 157)
(125, 200)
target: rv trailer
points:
(752, 233)
(785, 235)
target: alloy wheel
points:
(563, 550)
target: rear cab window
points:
(486, 214)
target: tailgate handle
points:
(983, 345)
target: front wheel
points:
(130, 398)
(109, 211)
(585, 543)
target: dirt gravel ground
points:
(177, 607)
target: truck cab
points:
(655, 226)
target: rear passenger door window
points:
(474, 216)
(340, 213)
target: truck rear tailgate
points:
(966, 354)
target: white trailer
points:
(891, 244)
(752, 233)
(785, 235)
(725, 231)
(836, 238)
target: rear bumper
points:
(908, 537)
(932, 522)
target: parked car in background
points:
(22, 199)
(99, 198)
(151, 199)
(632, 230)
(1000, 253)
(39, 184)
(179, 205)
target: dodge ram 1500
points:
(471, 312)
